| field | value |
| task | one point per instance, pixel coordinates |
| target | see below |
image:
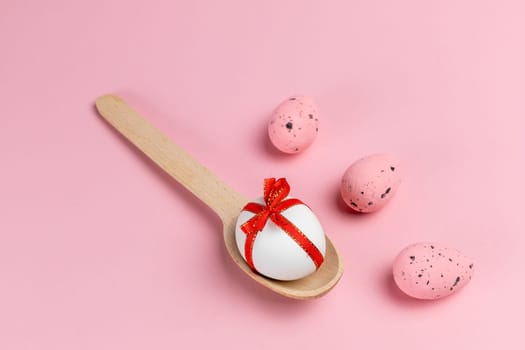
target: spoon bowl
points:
(222, 199)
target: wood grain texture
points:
(225, 201)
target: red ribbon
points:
(275, 192)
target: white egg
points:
(275, 253)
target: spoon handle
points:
(170, 157)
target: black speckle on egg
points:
(432, 246)
(386, 192)
(289, 125)
(471, 266)
(370, 203)
(354, 204)
(296, 149)
(292, 98)
(362, 192)
(456, 281)
(428, 282)
(311, 116)
(392, 168)
(412, 257)
(420, 275)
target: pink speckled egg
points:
(294, 124)
(431, 270)
(370, 183)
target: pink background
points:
(100, 250)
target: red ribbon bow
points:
(275, 192)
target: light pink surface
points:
(371, 182)
(430, 270)
(99, 250)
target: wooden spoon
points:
(226, 202)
